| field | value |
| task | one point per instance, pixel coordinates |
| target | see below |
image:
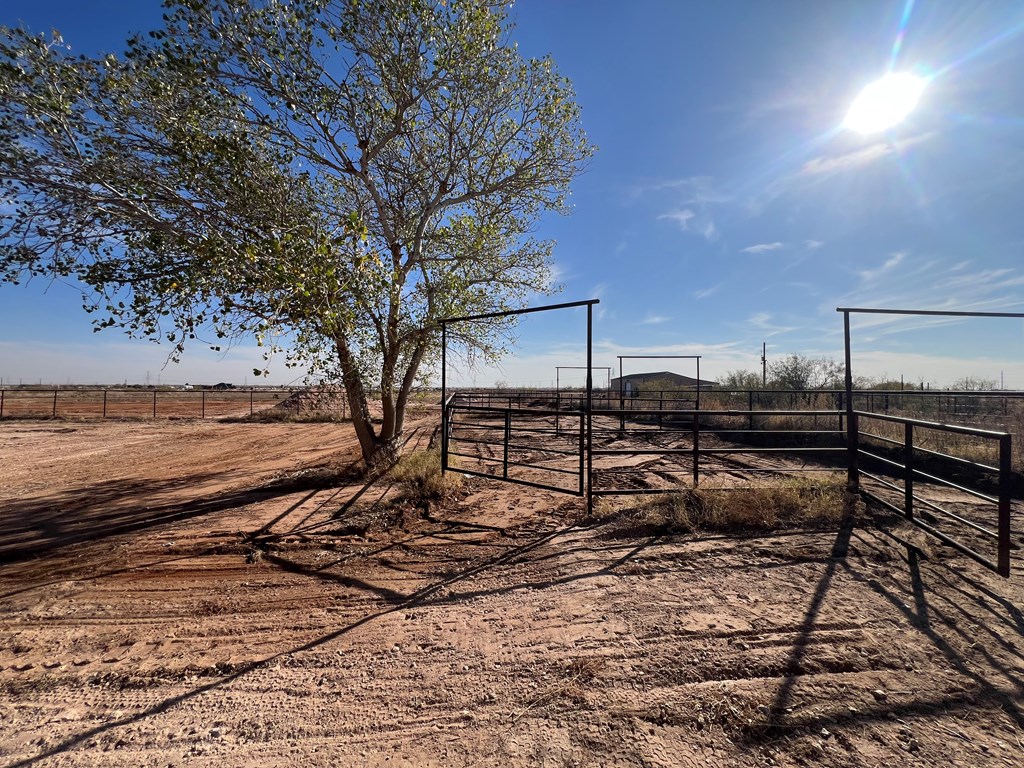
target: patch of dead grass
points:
(769, 506)
(419, 479)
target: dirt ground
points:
(200, 593)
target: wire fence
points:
(166, 403)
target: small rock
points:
(825, 733)
(879, 694)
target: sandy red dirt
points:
(210, 594)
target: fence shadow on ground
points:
(955, 628)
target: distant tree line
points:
(799, 372)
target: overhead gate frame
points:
(583, 487)
(908, 509)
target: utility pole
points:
(764, 364)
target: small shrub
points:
(418, 474)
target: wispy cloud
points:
(766, 325)
(690, 190)
(761, 248)
(681, 217)
(705, 292)
(890, 264)
(954, 289)
(600, 291)
(655, 319)
(830, 164)
(693, 222)
(812, 245)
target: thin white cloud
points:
(764, 323)
(890, 264)
(693, 222)
(682, 217)
(651, 319)
(690, 190)
(705, 292)
(829, 164)
(761, 248)
(812, 244)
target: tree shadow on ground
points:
(36, 525)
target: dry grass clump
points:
(419, 477)
(790, 503)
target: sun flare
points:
(885, 102)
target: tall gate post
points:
(1004, 505)
(590, 407)
(852, 473)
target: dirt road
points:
(207, 594)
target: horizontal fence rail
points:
(528, 446)
(900, 465)
(710, 442)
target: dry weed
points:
(419, 477)
(791, 503)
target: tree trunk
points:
(356, 394)
(407, 382)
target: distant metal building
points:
(632, 383)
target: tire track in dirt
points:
(498, 631)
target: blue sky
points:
(726, 206)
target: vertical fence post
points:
(1004, 504)
(250, 401)
(852, 474)
(696, 448)
(203, 411)
(622, 399)
(154, 403)
(750, 409)
(1, 403)
(55, 402)
(590, 407)
(908, 463)
(104, 403)
(508, 437)
(583, 421)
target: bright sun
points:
(885, 102)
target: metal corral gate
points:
(901, 457)
(524, 442)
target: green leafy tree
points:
(327, 176)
